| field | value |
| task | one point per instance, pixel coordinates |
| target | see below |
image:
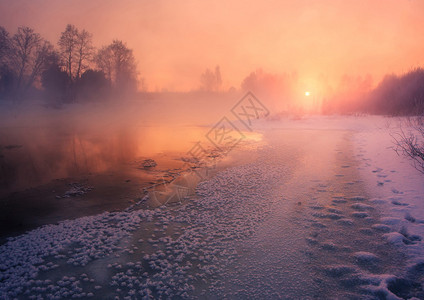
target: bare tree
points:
(6, 74)
(29, 56)
(76, 51)
(85, 51)
(104, 61)
(118, 64)
(67, 47)
(409, 141)
(211, 81)
(43, 55)
(4, 45)
(24, 44)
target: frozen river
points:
(296, 220)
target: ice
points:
(345, 221)
(381, 227)
(83, 240)
(390, 220)
(76, 190)
(244, 233)
(361, 206)
(365, 257)
(339, 270)
(148, 163)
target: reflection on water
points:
(31, 156)
(37, 155)
(38, 144)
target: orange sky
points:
(175, 41)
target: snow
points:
(76, 190)
(343, 218)
(398, 189)
(365, 257)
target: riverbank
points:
(294, 218)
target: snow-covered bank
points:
(167, 252)
(394, 187)
(307, 217)
(397, 189)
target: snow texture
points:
(307, 218)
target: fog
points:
(211, 149)
(174, 42)
(186, 66)
(39, 144)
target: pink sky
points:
(175, 41)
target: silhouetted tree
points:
(85, 51)
(29, 56)
(7, 82)
(349, 96)
(270, 85)
(93, 85)
(409, 141)
(4, 45)
(259, 81)
(399, 95)
(118, 64)
(67, 48)
(55, 82)
(76, 51)
(24, 43)
(211, 81)
(6, 74)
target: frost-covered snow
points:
(324, 210)
(397, 189)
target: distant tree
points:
(85, 51)
(93, 85)
(94, 78)
(24, 43)
(29, 56)
(267, 84)
(6, 74)
(399, 95)
(264, 83)
(55, 82)
(67, 48)
(4, 45)
(76, 51)
(7, 82)
(118, 64)
(349, 96)
(211, 81)
(252, 82)
(44, 53)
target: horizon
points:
(174, 43)
(211, 149)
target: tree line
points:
(72, 70)
(398, 95)
(395, 95)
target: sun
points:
(307, 93)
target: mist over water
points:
(39, 144)
(211, 149)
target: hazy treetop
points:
(175, 41)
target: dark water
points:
(34, 156)
(38, 144)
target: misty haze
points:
(211, 150)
